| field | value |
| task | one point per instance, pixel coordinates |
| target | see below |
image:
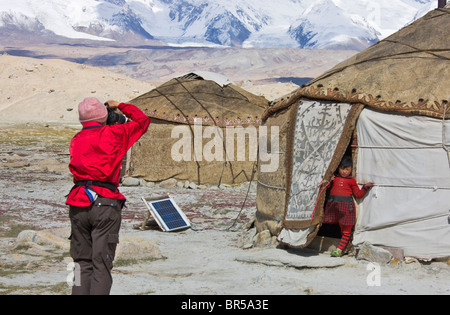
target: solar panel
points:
(167, 214)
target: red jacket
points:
(97, 154)
(346, 187)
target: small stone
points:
(168, 183)
(374, 254)
(150, 184)
(26, 236)
(264, 238)
(137, 248)
(130, 181)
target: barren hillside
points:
(50, 90)
(44, 82)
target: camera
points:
(113, 117)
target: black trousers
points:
(93, 242)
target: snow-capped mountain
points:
(338, 30)
(347, 24)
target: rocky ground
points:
(217, 257)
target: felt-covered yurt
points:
(193, 117)
(388, 107)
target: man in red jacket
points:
(95, 201)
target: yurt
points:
(388, 107)
(200, 121)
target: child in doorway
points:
(340, 207)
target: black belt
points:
(86, 183)
(341, 198)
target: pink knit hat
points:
(91, 109)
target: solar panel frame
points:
(167, 214)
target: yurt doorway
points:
(330, 234)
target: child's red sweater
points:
(346, 187)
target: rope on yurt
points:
(269, 186)
(444, 141)
(190, 127)
(438, 146)
(224, 164)
(411, 186)
(240, 211)
(212, 119)
(226, 153)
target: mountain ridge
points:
(315, 24)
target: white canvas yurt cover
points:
(408, 159)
